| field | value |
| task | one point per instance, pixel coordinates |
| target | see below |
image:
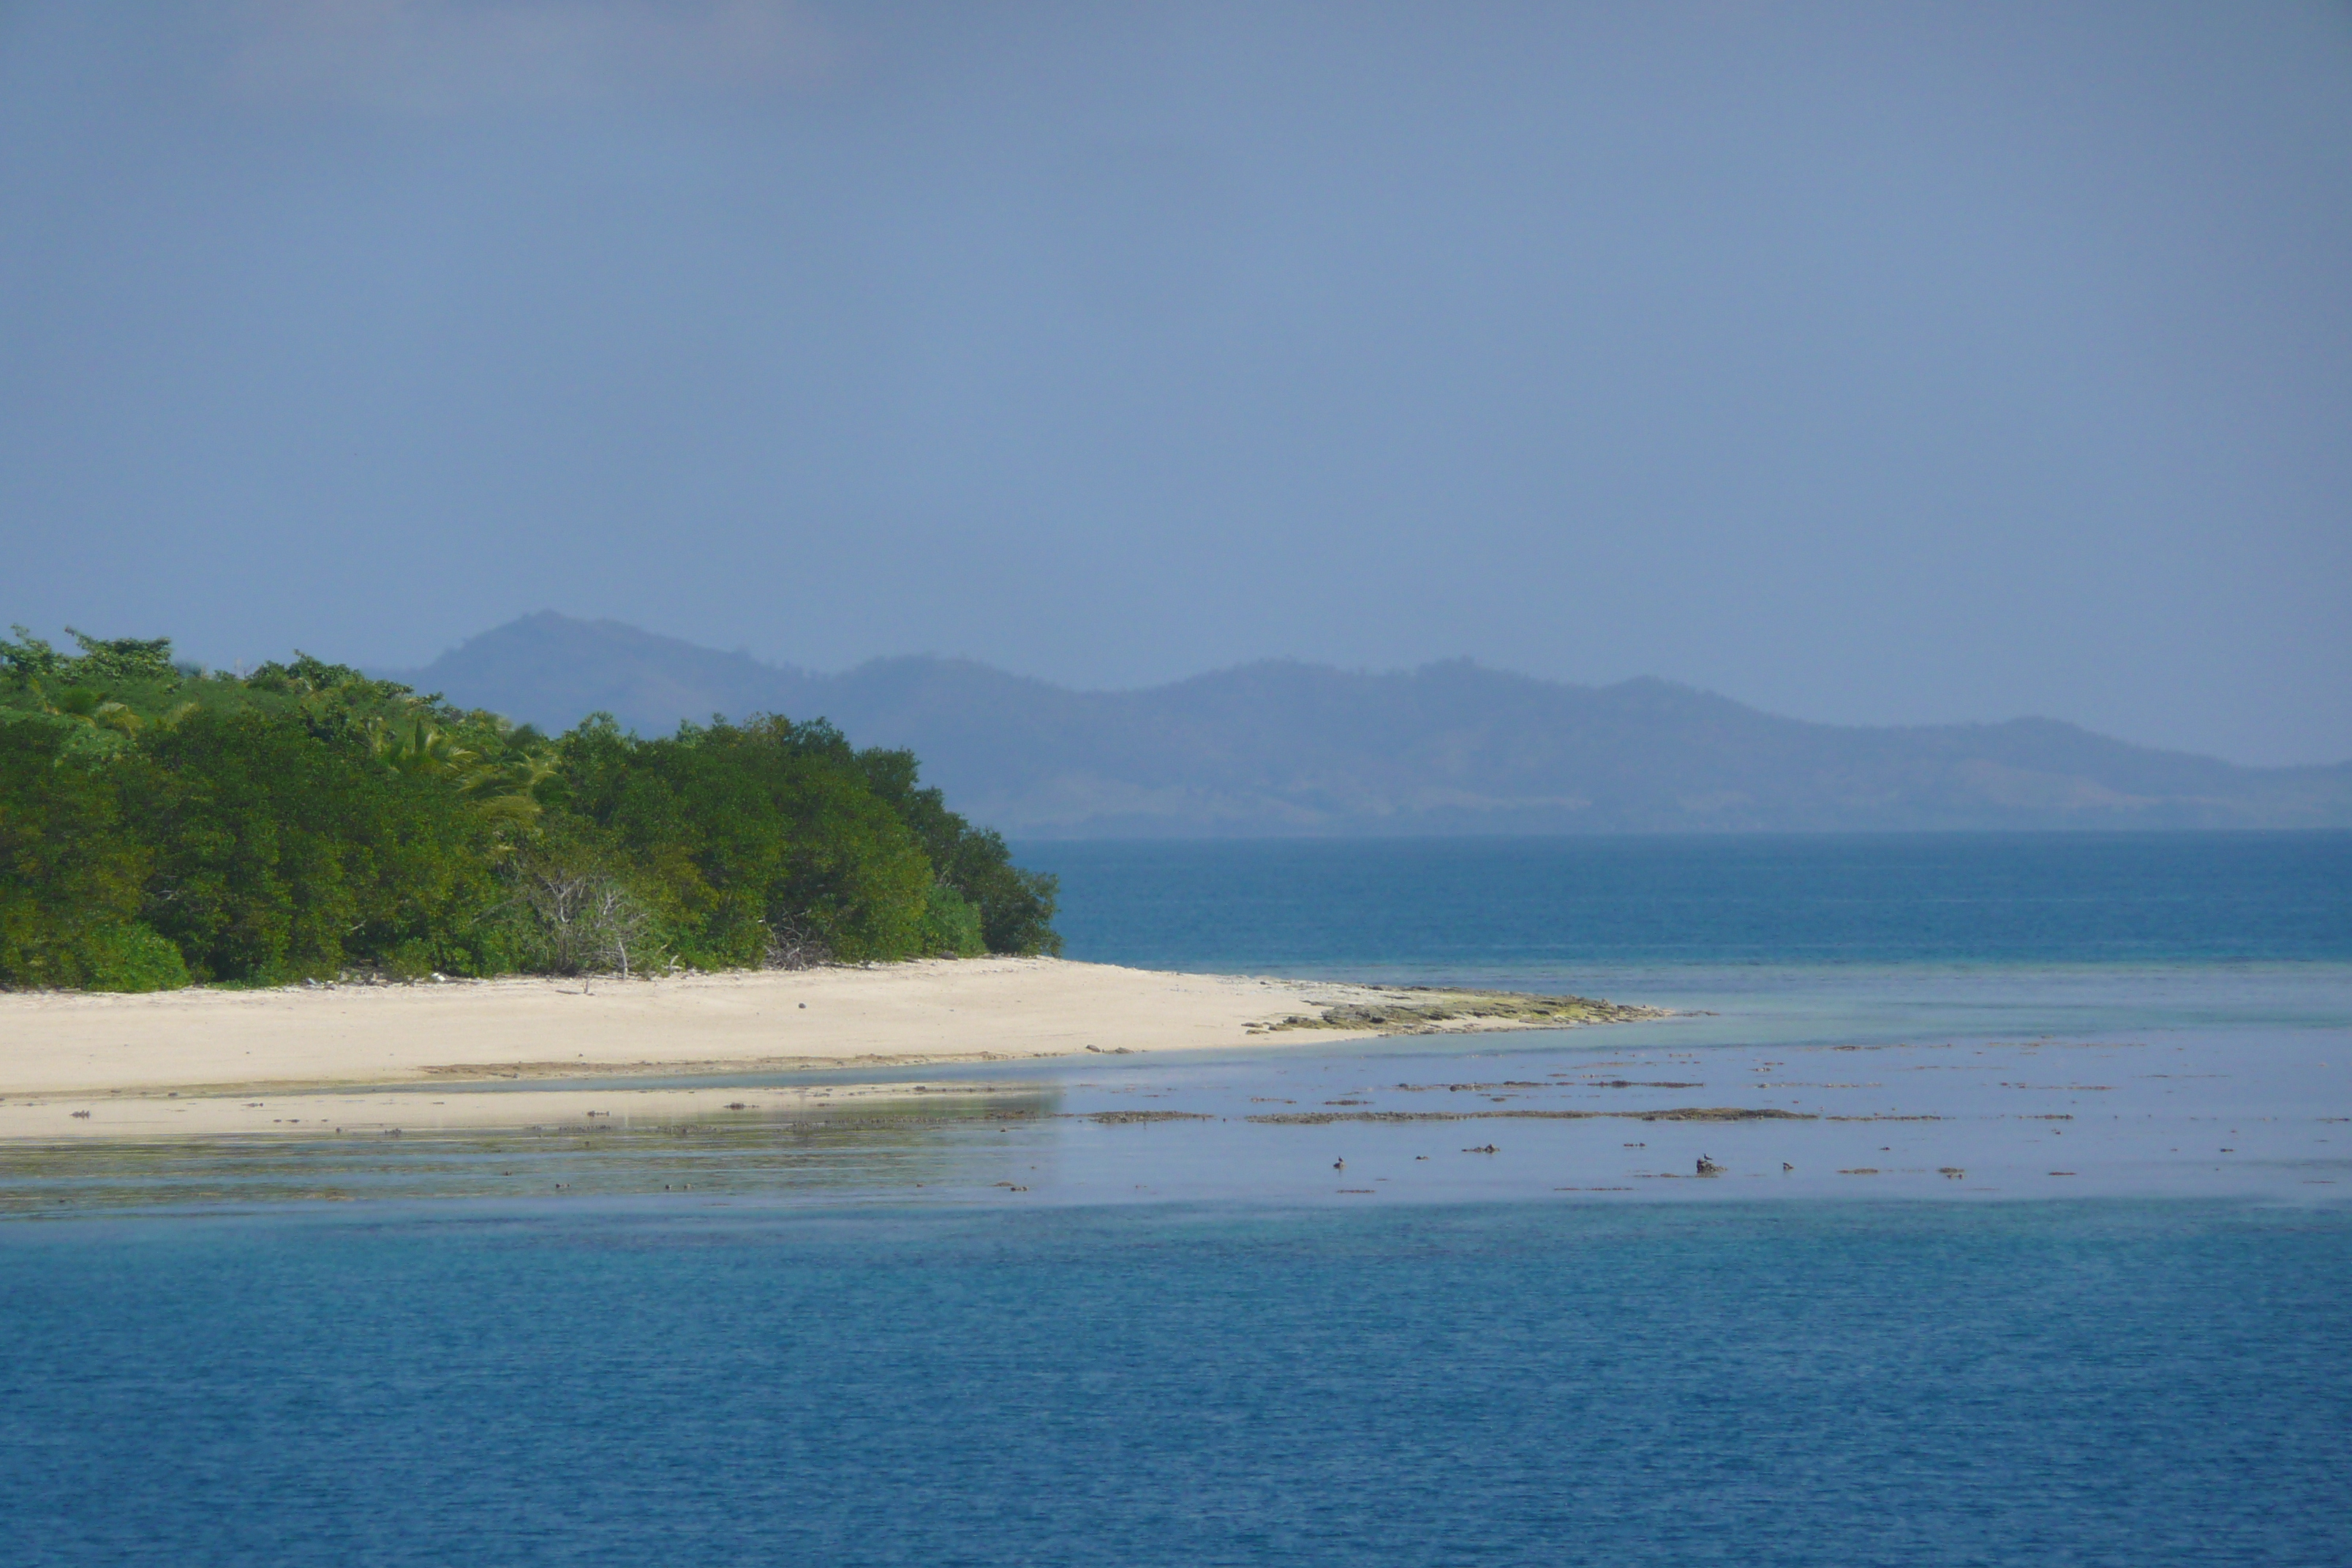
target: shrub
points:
(131, 957)
(951, 926)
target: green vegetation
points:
(161, 825)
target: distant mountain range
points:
(1283, 747)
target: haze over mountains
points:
(1283, 747)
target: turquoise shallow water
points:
(2093, 1308)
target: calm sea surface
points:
(1788, 937)
(2057, 1269)
(1493, 907)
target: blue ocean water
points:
(2053, 1383)
(1490, 909)
(811, 1359)
(1784, 938)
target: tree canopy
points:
(161, 825)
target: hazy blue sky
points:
(1875, 364)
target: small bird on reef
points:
(1707, 1167)
(1339, 1164)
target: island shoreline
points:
(78, 1064)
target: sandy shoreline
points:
(120, 1057)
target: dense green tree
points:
(280, 852)
(1014, 908)
(745, 833)
(71, 877)
(158, 823)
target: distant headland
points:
(1283, 749)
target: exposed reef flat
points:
(1419, 1010)
(1651, 1115)
(1677, 1113)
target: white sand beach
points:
(188, 1060)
